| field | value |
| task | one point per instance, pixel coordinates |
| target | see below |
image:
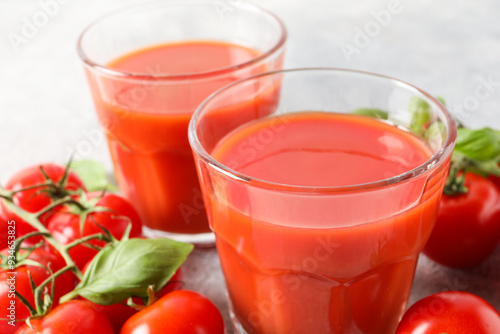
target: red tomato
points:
(35, 199)
(119, 313)
(4, 232)
(496, 179)
(17, 279)
(450, 312)
(182, 311)
(74, 316)
(65, 226)
(467, 228)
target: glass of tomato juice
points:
(148, 67)
(319, 211)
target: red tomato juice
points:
(317, 260)
(145, 118)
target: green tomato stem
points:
(39, 289)
(65, 200)
(98, 236)
(20, 240)
(45, 184)
(455, 185)
(26, 303)
(32, 219)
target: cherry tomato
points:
(65, 225)
(4, 232)
(119, 313)
(35, 199)
(496, 179)
(17, 279)
(74, 316)
(450, 312)
(467, 228)
(182, 311)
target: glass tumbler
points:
(320, 213)
(148, 67)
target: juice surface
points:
(321, 149)
(321, 262)
(183, 58)
(146, 123)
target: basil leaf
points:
(435, 135)
(441, 99)
(421, 115)
(127, 268)
(482, 144)
(485, 168)
(372, 112)
(92, 174)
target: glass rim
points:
(182, 76)
(432, 163)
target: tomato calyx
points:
(86, 206)
(53, 189)
(57, 189)
(455, 184)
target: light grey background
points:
(449, 48)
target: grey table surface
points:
(449, 48)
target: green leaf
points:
(372, 112)
(435, 135)
(93, 175)
(441, 99)
(127, 268)
(485, 168)
(482, 144)
(421, 115)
